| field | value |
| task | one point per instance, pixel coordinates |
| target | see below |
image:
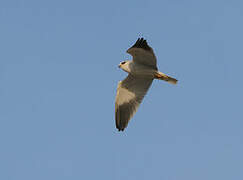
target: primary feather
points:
(143, 54)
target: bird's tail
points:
(162, 76)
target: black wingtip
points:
(141, 43)
(120, 127)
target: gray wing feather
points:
(130, 93)
(143, 54)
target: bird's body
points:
(142, 71)
(138, 70)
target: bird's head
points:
(124, 65)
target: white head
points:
(124, 65)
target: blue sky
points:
(58, 76)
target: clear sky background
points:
(58, 79)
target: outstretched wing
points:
(130, 93)
(143, 54)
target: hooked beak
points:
(119, 66)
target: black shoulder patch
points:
(141, 43)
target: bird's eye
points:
(123, 62)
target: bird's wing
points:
(143, 54)
(130, 93)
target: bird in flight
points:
(142, 70)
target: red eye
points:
(123, 62)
